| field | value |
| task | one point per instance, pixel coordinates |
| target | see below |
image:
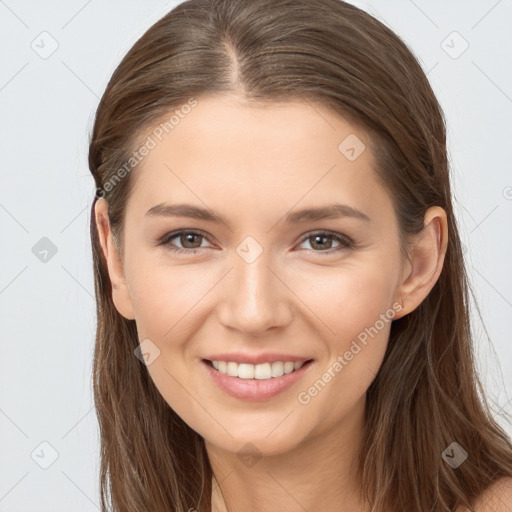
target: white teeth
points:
(262, 371)
(288, 367)
(277, 369)
(233, 369)
(245, 371)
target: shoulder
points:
(496, 498)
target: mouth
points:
(255, 383)
(263, 371)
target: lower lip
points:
(255, 389)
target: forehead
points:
(225, 150)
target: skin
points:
(254, 164)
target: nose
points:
(256, 297)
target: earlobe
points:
(427, 255)
(120, 293)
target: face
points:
(265, 284)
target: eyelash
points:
(345, 241)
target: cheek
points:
(164, 295)
(349, 298)
(165, 300)
(356, 305)
(355, 355)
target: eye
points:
(191, 241)
(323, 240)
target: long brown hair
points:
(427, 393)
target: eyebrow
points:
(332, 211)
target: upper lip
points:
(266, 357)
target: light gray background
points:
(48, 318)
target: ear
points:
(426, 261)
(120, 292)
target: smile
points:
(255, 382)
(257, 371)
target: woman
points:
(282, 302)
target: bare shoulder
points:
(497, 498)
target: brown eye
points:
(190, 241)
(323, 241)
